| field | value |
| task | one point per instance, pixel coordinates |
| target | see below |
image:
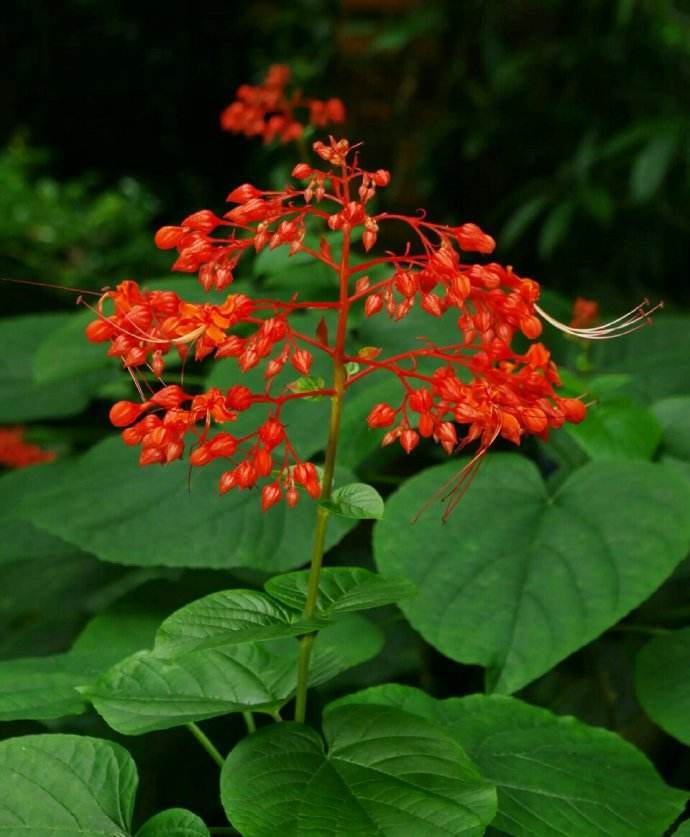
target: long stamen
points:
(634, 319)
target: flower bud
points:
(239, 398)
(409, 439)
(168, 237)
(270, 495)
(125, 412)
(381, 415)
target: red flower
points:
(17, 453)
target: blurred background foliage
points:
(561, 128)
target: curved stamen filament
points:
(634, 319)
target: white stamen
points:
(634, 319)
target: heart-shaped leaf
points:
(517, 579)
(385, 773)
(230, 617)
(107, 505)
(554, 775)
(175, 822)
(663, 682)
(357, 500)
(148, 692)
(341, 590)
(65, 785)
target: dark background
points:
(561, 127)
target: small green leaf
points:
(555, 227)
(553, 572)
(341, 590)
(230, 617)
(351, 368)
(674, 416)
(652, 165)
(147, 692)
(175, 822)
(66, 785)
(554, 775)
(663, 682)
(386, 773)
(357, 500)
(308, 383)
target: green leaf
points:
(674, 416)
(42, 688)
(555, 227)
(517, 579)
(522, 218)
(357, 500)
(147, 692)
(341, 590)
(554, 775)
(175, 822)
(308, 383)
(663, 682)
(651, 166)
(230, 617)
(683, 830)
(66, 785)
(658, 358)
(22, 396)
(617, 431)
(385, 773)
(106, 504)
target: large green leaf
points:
(41, 688)
(175, 822)
(106, 504)
(22, 396)
(385, 773)
(663, 682)
(65, 785)
(517, 579)
(554, 775)
(229, 617)
(341, 590)
(148, 692)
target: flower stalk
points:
(322, 513)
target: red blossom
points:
(15, 452)
(268, 111)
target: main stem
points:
(322, 514)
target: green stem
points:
(339, 378)
(249, 721)
(206, 743)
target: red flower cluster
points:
(266, 110)
(477, 388)
(16, 453)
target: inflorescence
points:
(476, 389)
